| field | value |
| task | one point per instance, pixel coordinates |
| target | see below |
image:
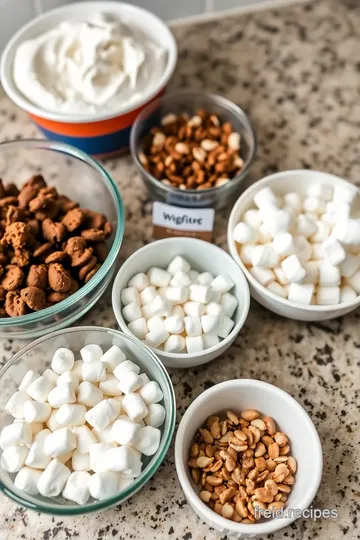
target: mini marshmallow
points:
(205, 278)
(263, 275)
(194, 344)
(16, 433)
(215, 297)
(155, 323)
(293, 269)
(293, 202)
(70, 378)
(278, 289)
(28, 378)
(209, 324)
(284, 244)
(322, 191)
(104, 484)
(334, 252)
(194, 308)
(156, 415)
(193, 275)
(160, 306)
(84, 439)
(77, 487)
(77, 369)
(148, 441)
(27, 479)
(136, 466)
(303, 248)
(347, 294)
(63, 360)
(16, 404)
(349, 266)
(104, 434)
(145, 379)
(80, 462)
(336, 212)
(98, 459)
(53, 479)
(200, 293)
(120, 459)
(156, 337)
(125, 431)
(312, 272)
(322, 232)
(134, 407)
(35, 411)
(346, 194)
(52, 376)
(71, 414)
(252, 217)
(174, 344)
(229, 304)
(316, 253)
(209, 340)
(329, 275)
(222, 284)
(178, 264)
(306, 225)
(280, 276)
(314, 205)
(110, 387)
(327, 296)
(148, 295)
(264, 257)
(129, 295)
(348, 232)
(177, 295)
(13, 458)
(125, 367)
(224, 326)
(139, 281)
(94, 372)
(151, 392)
(60, 442)
(174, 325)
(278, 221)
(246, 250)
(103, 414)
(177, 311)
(112, 358)
(52, 423)
(354, 281)
(265, 197)
(180, 279)
(159, 277)
(244, 233)
(264, 235)
(301, 293)
(40, 388)
(131, 312)
(89, 395)
(213, 308)
(147, 311)
(36, 458)
(36, 427)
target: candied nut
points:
(59, 279)
(215, 430)
(232, 417)
(205, 496)
(270, 425)
(227, 495)
(291, 464)
(249, 415)
(289, 479)
(271, 486)
(267, 440)
(204, 461)
(16, 235)
(260, 464)
(92, 273)
(93, 235)
(280, 473)
(283, 488)
(277, 505)
(273, 450)
(228, 511)
(240, 435)
(241, 508)
(195, 473)
(55, 297)
(270, 465)
(262, 476)
(281, 459)
(34, 298)
(258, 423)
(73, 219)
(14, 304)
(281, 439)
(263, 495)
(256, 434)
(37, 276)
(206, 436)
(194, 451)
(284, 450)
(13, 278)
(214, 480)
(56, 256)
(260, 450)
(53, 232)
(234, 141)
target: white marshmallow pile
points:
(179, 310)
(306, 250)
(81, 427)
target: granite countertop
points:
(297, 71)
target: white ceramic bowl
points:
(289, 417)
(202, 256)
(283, 182)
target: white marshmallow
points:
(160, 306)
(156, 415)
(333, 251)
(346, 194)
(194, 344)
(229, 304)
(139, 281)
(224, 326)
(193, 275)
(174, 344)
(36, 427)
(177, 295)
(16, 404)
(77, 487)
(301, 293)
(151, 392)
(252, 217)
(129, 295)
(155, 323)
(293, 202)
(194, 308)
(265, 197)
(322, 232)
(293, 269)
(316, 253)
(146, 312)
(16, 433)
(148, 295)
(349, 266)
(209, 340)
(205, 278)
(89, 395)
(50, 374)
(328, 275)
(134, 407)
(278, 289)
(177, 311)
(125, 431)
(80, 462)
(159, 277)
(148, 441)
(156, 337)
(213, 308)
(314, 205)
(98, 459)
(244, 233)
(280, 276)
(28, 378)
(200, 293)
(84, 439)
(60, 442)
(264, 257)
(348, 232)
(136, 466)
(327, 296)
(27, 479)
(94, 372)
(283, 244)
(178, 264)
(53, 479)
(180, 279)
(322, 191)
(192, 325)
(336, 212)
(71, 414)
(110, 387)
(278, 221)
(354, 281)
(36, 458)
(347, 294)
(145, 379)
(120, 459)
(40, 388)
(215, 297)
(264, 236)
(209, 324)
(303, 248)
(222, 284)
(125, 367)
(35, 411)
(131, 312)
(174, 325)
(52, 423)
(13, 458)
(63, 360)
(306, 225)
(312, 272)
(112, 358)
(70, 378)
(104, 434)
(77, 369)
(104, 484)
(246, 250)
(130, 382)
(263, 275)
(103, 414)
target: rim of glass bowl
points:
(149, 470)
(111, 257)
(217, 99)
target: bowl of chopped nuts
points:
(248, 458)
(193, 149)
(61, 232)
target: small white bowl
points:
(282, 183)
(202, 256)
(289, 417)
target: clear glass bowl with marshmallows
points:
(183, 297)
(296, 235)
(72, 441)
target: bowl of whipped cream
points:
(84, 71)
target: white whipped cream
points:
(97, 65)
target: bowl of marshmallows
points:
(296, 236)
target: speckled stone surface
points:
(297, 71)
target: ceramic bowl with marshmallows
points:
(296, 235)
(184, 298)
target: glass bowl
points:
(37, 356)
(189, 102)
(75, 174)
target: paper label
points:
(177, 221)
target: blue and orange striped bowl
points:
(99, 134)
